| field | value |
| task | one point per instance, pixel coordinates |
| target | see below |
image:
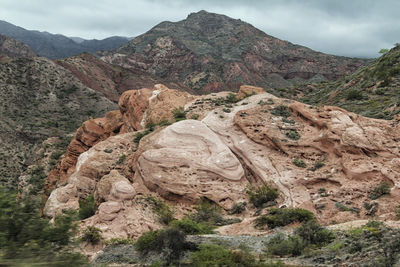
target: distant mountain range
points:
(55, 46)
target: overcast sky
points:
(357, 28)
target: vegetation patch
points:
(282, 217)
(92, 235)
(259, 196)
(87, 207)
(293, 134)
(299, 163)
(179, 114)
(163, 211)
(281, 110)
(190, 227)
(382, 189)
(238, 208)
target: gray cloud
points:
(342, 27)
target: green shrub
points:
(318, 165)
(195, 117)
(280, 245)
(87, 207)
(238, 208)
(262, 195)
(148, 241)
(231, 98)
(140, 135)
(120, 241)
(314, 234)
(121, 159)
(382, 189)
(170, 242)
(164, 212)
(343, 207)
(214, 255)
(190, 227)
(179, 114)
(37, 179)
(27, 237)
(92, 235)
(283, 216)
(281, 110)
(299, 163)
(354, 94)
(293, 134)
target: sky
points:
(358, 28)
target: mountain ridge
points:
(56, 46)
(208, 51)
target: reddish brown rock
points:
(247, 90)
(90, 133)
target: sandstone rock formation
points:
(324, 159)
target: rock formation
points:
(320, 158)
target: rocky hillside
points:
(337, 164)
(211, 52)
(39, 99)
(111, 80)
(14, 49)
(56, 46)
(372, 91)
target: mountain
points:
(211, 52)
(56, 46)
(14, 49)
(371, 91)
(39, 100)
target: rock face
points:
(111, 80)
(210, 52)
(188, 161)
(14, 49)
(324, 159)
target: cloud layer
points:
(357, 28)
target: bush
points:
(87, 207)
(170, 242)
(281, 245)
(238, 208)
(354, 94)
(299, 163)
(281, 110)
(179, 114)
(293, 134)
(92, 235)
(191, 227)
(262, 195)
(148, 242)
(382, 189)
(164, 212)
(318, 165)
(37, 179)
(26, 237)
(283, 216)
(314, 234)
(214, 255)
(207, 212)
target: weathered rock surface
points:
(188, 161)
(260, 140)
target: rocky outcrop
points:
(187, 161)
(323, 159)
(14, 49)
